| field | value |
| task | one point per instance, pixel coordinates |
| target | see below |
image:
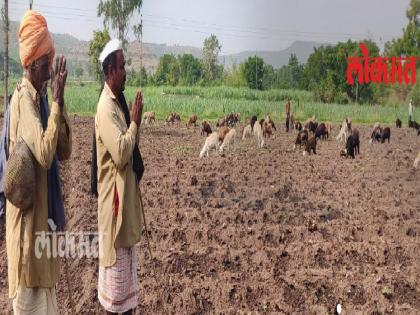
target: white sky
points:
(239, 24)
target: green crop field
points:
(212, 103)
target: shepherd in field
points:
(32, 274)
(120, 168)
(287, 111)
(410, 111)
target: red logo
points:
(381, 69)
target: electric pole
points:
(6, 52)
(141, 48)
(256, 74)
(31, 2)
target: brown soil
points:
(259, 231)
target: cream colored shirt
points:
(115, 145)
(22, 225)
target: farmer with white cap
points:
(120, 169)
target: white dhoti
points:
(35, 301)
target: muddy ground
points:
(259, 231)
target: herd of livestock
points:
(308, 133)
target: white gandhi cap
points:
(110, 47)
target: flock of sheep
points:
(308, 133)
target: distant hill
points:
(277, 59)
(76, 50)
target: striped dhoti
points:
(117, 288)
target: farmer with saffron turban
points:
(33, 269)
(120, 169)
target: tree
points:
(117, 13)
(325, 72)
(254, 72)
(190, 69)
(235, 76)
(211, 50)
(409, 43)
(79, 72)
(173, 75)
(96, 45)
(5, 16)
(164, 68)
(269, 77)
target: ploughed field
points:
(258, 230)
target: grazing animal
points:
(267, 129)
(376, 134)
(233, 119)
(321, 131)
(310, 119)
(312, 125)
(229, 140)
(398, 123)
(173, 118)
(417, 160)
(247, 133)
(149, 117)
(212, 142)
(413, 124)
(385, 134)
(258, 134)
(351, 146)
(192, 121)
(310, 145)
(344, 131)
(253, 121)
(230, 120)
(205, 128)
(177, 118)
(221, 122)
(270, 121)
(301, 138)
(222, 133)
(329, 128)
(356, 137)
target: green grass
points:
(212, 103)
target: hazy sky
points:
(239, 24)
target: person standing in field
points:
(410, 111)
(33, 274)
(120, 169)
(287, 110)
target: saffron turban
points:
(34, 39)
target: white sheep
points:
(212, 141)
(258, 134)
(229, 140)
(247, 133)
(417, 160)
(344, 131)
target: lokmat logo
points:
(387, 70)
(67, 244)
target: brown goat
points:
(192, 121)
(205, 128)
(310, 145)
(267, 129)
(222, 133)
